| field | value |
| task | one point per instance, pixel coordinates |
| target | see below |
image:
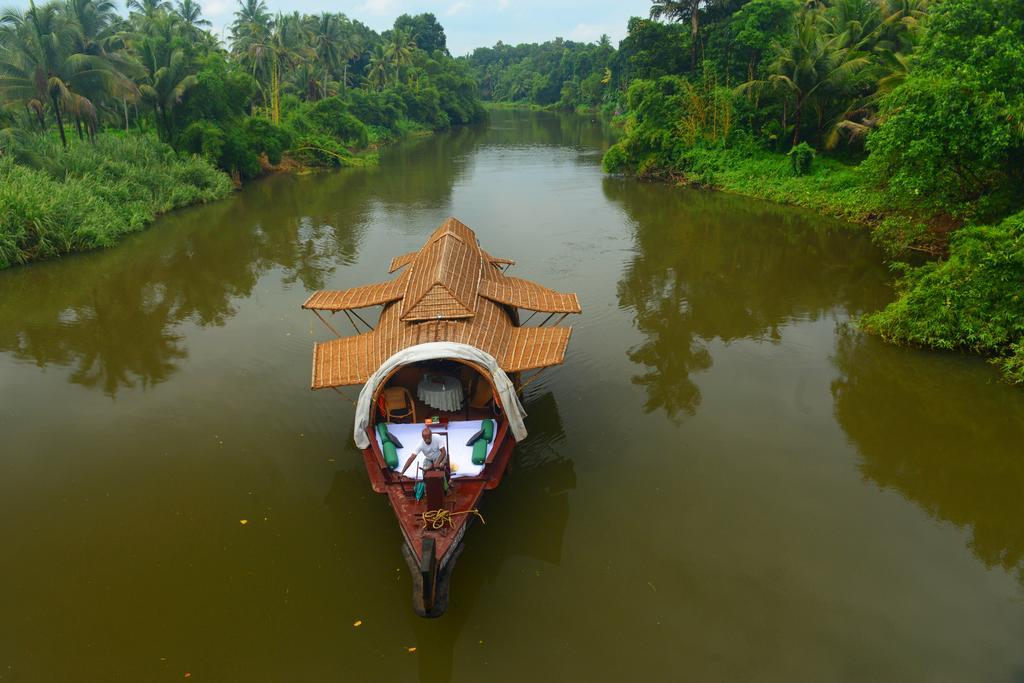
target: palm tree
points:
(377, 69)
(812, 61)
(329, 44)
(250, 39)
(683, 10)
(351, 48)
(93, 19)
(40, 64)
(400, 50)
(169, 78)
(288, 49)
(146, 11)
(191, 15)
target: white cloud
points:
(587, 33)
(380, 7)
(502, 4)
(457, 7)
(215, 8)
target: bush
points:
(236, 145)
(331, 116)
(377, 109)
(90, 195)
(974, 300)
(615, 159)
(801, 157)
(942, 143)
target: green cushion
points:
(479, 451)
(390, 454)
(488, 428)
(382, 432)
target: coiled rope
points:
(436, 519)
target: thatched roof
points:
(450, 290)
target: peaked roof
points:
(450, 290)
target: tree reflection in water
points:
(711, 266)
(933, 428)
(115, 316)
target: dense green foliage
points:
(78, 62)
(973, 300)
(907, 115)
(320, 89)
(90, 195)
(953, 132)
(556, 73)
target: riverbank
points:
(967, 299)
(55, 202)
(828, 186)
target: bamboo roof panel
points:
(357, 297)
(402, 261)
(451, 290)
(445, 280)
(496, 260)
(521, 293)
(534, 347)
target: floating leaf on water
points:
(243, 522)
(358, 623)
(411, 649)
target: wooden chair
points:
(398, 403)
(482, 396)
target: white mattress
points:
(460, 455)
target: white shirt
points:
(431, 451)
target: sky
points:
(470, 23)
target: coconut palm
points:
(328, 41)
(377, 69)
(40, 64)
(399, 51)
(169, 78)
(683, 10)
(191, 15)
(145, 11)
(808, 66)
(93, 19)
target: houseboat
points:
(450, 354)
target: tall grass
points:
(53, 202)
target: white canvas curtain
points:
(514, 412)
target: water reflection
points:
(958, 458)
(548, 129)
(710, 266)
(539, 483)
(114, 316)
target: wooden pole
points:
(329, 326)
(368, 325)
(349, 316)
(344, 396)
(529, 380)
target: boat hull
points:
(431, 548)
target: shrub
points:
(801, 157)
(90, 195)
(974, 300)
(377, 109)
(942, 143)
(331, 116)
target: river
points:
(722, 482)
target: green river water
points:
(721, 483)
